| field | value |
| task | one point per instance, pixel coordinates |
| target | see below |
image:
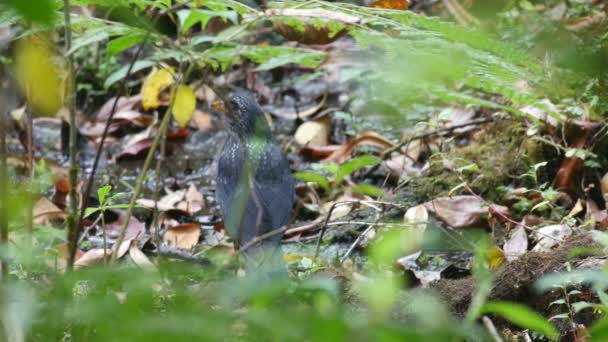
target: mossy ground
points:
(503, 156)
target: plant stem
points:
(140, 180)
(72, 220)
(89, 188)
(3, 188)
(105, 241)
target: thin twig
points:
(491, 329)
(73, 218)
(140, 180)
(406, 141)
(3, 186)
(505, 217)
(89, 188)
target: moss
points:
(502, 156)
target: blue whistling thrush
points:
(255, 188)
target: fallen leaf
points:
(416, 218)
(187, 201)
(313, 133)
(183, 236)
(604, 187)
(153, 85)
(45, 211)
(92, 257)
(517, 245)
(463, 211)
(495, 256)
(134, 229)
(550, 236)
(139, 258)
(183, 105)
(124, 103)
(366, 138)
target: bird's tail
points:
(265, 263)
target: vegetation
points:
(450, 161)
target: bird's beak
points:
(222, 93)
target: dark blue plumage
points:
(255, 188)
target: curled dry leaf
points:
(92, 257)
(366, 138)
(604, 187)
(517, 245)
(139, 258)
(401, 167)
(134, 229)
(464, 211)
(416, 219)
(45, 211)
(188, 201)
(550, 236)
(183, 236)
(313, 133)
(124, 104)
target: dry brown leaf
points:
(124, 103)
(368, 138)
(463, 211)
(62, 257)
(134, 229)
(517, 245)
(390, 4)
(45, 211)
(139, 258)
(604, 187)
(92, 257)
(313, 133)
(188, 201)
(550, 236)
(183, 236)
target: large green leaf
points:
(522, 316)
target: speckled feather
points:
(263, 199)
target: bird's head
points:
(244, 114)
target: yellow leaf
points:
(156, 81)
(495, 256)
(183, 105)
(39, 77)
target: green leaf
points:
(120, 44)
(103, 192)
(353, 165)
(189, 18)
(122, 72)
(90, 37)
(557, 302)
(40, 11)
(368, 189)
(89, 211)
(522, 316)
(270, 57)
(578, 306)
(599, 330)
(313, 177)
